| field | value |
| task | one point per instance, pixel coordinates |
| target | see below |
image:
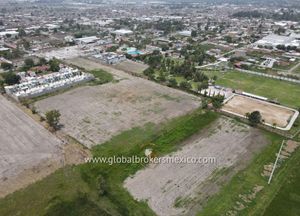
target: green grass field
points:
(101, 77)
(244, 182)
(287, 200)
(75, 190)
(285, 92)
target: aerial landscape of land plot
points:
(94, 114)
(272, 114)
(165, 136)
(178, 189)
(144, 108)
(24, 145)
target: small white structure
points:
(86, 40)
(122, 32)
(12, 34)
(185, 33)
(52, 26)
(110, 58)
(69, 39)
(268, 63)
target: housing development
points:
(168, 108)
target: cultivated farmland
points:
(28, 151)
(182, 189)
(94, 114)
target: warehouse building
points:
(274, 40)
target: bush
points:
(11, 78)
(101, 76)
(185, 85)
(6, 66)
(101, 185)
(254, 118)
(52, 118)
(172, 83)
(54, 65)
(217, 101)
(149, 71)
(29, 63)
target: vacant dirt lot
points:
(131, 66)
(93, 114)
(89, 64)
(28, 151)
(271, 113)
(181, 189)
(62, 53)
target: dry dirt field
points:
(131, 66)
(28, 151)
(271, 113)
(94, 114)
(62, 53)
(181, 189)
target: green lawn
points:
(101, 77)
(180, 79)
(75, 190)
(285, 92)
(244, 182)
(287, 200)
(297, 70)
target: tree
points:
(52, 118)
(149, 72)
(228, 39)
(2, 90)
(6, 66)
(164, 47)
(112, 49)
(172, 82)
(101, 185)
(217, 101)
(185, 85)
(54, 65)
(16, 53)
(42, 61)
(194, 33)
(11, 78)
(162, 76)
(254, 118)
(203, 85)
(200, 77)
(26, 44)
(22, 32)
(204, 104)
(29, 63)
